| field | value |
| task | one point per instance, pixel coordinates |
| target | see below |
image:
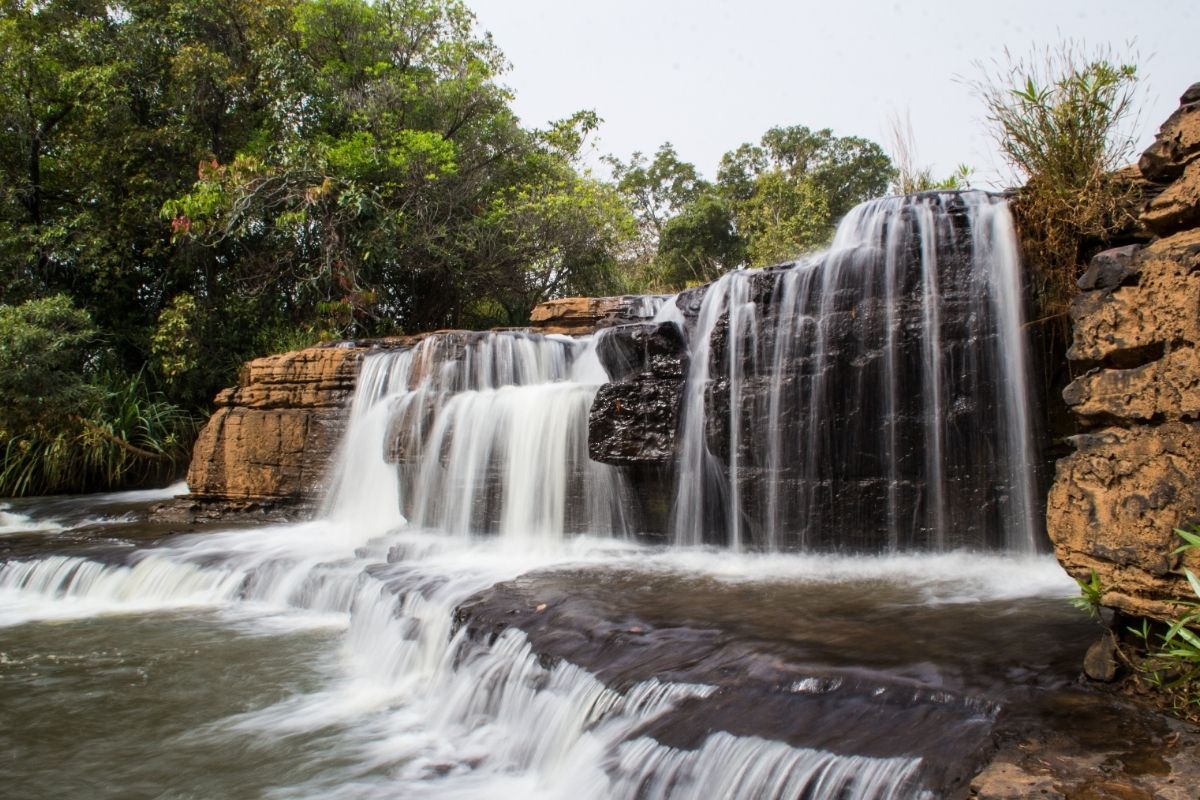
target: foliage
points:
(44, 346)
(1058, 118)
(131, 437)
(657, 191)
(65, 425)
(772, 202)
(326, 167)
(1172, 664)
(1091, 594)
(910, 178)
(396, 187)
(700, 243)
(789, 191)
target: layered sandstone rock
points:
(271, 438)
(1135, 475)
(577, 316)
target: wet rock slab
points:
(986, 694)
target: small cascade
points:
(874, 396)
(478, 433)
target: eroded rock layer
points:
(1135, 474)
(272, 436)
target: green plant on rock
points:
(1060, 119)
(1172, 663)
(1090, 593)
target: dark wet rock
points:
(634, 422)
(1110, 268)
(630, 350)
(991, 712)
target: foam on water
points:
(464, 465)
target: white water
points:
(862, 385)
(71, 513)
(488, 437)
(422, 710)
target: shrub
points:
(1060, 120)
(68, 426)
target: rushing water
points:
(472, 615)
(876, 395)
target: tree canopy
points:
(198, 182)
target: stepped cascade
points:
(479, 616)
(477, 433)
(871, 397)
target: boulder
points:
(1111, 268)
(272, 437)
(1114, 506)
(634, 422)
(1177, 142)
(631, 350)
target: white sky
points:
(708, 75)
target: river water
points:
(475, 612)
(325, 660)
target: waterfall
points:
(873, 396)
(478, 433)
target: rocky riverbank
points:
(1135, 472)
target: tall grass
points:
(1172, 663)
(1063, 119)
(132, 436)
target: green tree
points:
(44, 350)
(396, 188)
(700, 243)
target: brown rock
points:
(1177, 142)
(1114, 506)
(1100, 663)
(572, 315)
(1168, 389)
(1120, 325)
(1007, 781)
(1178, 206)
(271, 437)
(577, 316)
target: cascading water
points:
(488, 433)
(871, 397)
(464, 471)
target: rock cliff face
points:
(824, 405)
(270, 441)
(271, 438)
(1135, 472)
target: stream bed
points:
(325, 660)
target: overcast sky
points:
(708, 75)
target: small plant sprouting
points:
(1090, 592)
(1172, 664)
